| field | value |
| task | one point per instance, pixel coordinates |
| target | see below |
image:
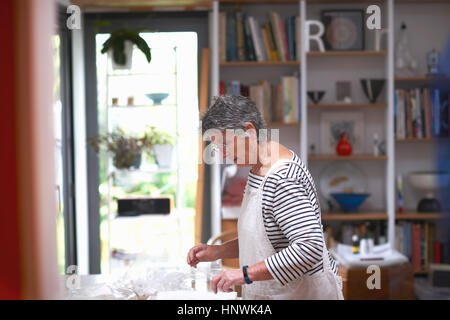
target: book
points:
(254, 27)
(240, 36)
(400, 110)
(236, 87)
(290, 38)
(290, 98)
(222, 36)
(266, 92)
(272, 48)
(416, 253)
(249, 47)
(284, 39)
(427, 102)
(231, 49)
(275, 21)
(266, 43)
(409, 133)
(273, 44)
(298, 37)
(436, 113)
(280, 102)
(274, 109)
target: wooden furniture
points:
(396, 282)
(229, 227)
(203, 106)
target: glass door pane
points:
(127, 100)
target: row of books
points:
(278, 102)
(242, 38)
(418, 242)
(421, 113)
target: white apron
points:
(255, 246)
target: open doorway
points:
(125, 105)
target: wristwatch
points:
(246, 278)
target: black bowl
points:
(372, 88)
(316, 96)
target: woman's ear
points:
(249, 129)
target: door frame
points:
(196, 21)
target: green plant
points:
(126, 149)
(117, 44)
(159, 136)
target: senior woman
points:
(280, 243)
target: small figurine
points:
(433, 62)
(376, 145)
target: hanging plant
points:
(116, 43)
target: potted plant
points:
(126, 149)
(162, 147)
(120, 46)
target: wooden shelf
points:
(347, 105)
(354, 216)
(282, 124)
(381, 216)
(420, 79)
(420, 216)
(422, 139)
(260, 63)
(353, 157)
(347, 53)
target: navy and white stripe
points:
(292, 222)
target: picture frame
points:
(344, 29)
(333, 123)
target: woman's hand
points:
(226, 279)
(202, 252)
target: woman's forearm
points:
(229, 249)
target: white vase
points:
(163, 155)
(128, 53)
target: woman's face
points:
(238, 146)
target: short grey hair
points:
(232, 112)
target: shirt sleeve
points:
(294, 214)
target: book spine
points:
(236, 87)
(222, 37)
(298, 37)
(437, 252)
(284, 39)
(254, 30)
(240, 36)
(273, 104)
(275, 20)
(231, 38)
(248, 41)
(436, 113)
(409, 133)
(266, 44)
(273, 43)
(426, 98)
(290, 40)
(416, 247)
(280, 101)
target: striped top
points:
(292, 222)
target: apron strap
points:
(325, 257)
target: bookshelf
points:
(347, 158)
(259, 63)
(347, 105)
(364, 53)
(360, 64)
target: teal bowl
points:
(157, 98)
(350, 202)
